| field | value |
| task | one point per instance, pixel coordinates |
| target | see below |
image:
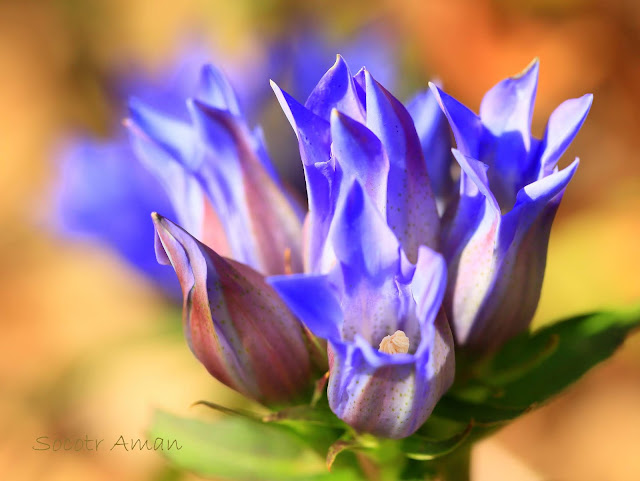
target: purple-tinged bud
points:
(495, 240)
(234, 322)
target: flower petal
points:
(433, 130)
(508, 107)
(428, 284)
(470, 247)
(564, 123)
(361, 238)
(259, 215)
(216, 91)
(411, 212)
(532, 200)
(174, 136)
(313, 135)
(312, 299)
(336, 90)
(360, 156)
(184, 191)
(465, 125)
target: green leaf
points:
(239, 448)
(532, 368)
(479, 413)
(580, 343)
(425, 449)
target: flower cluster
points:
(396, 257)
(99, 176)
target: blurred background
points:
(90, 346)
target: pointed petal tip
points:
(533, 68)
(574, 165)
(588, 101)
(437, 93)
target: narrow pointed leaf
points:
(582, 342)
(424, 449)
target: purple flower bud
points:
(495, 239)
(235, 324)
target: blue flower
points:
(374, 285)
(82, 201)
(238, 223)
(352, 127)
(220, 179)
(104, 195)
(496, 235)
(98, 177)
(375, 297)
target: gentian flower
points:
(373, 282)
(100, 176)
(235, 323)
(216, 167)
(352, 127)
(97, 175)
(374, 297)
(510, 188)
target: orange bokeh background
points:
(88, 348)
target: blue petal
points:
(466, 126)
(312, 300)
(336, 90)
(433, 130)
(256, 213)
(361, 85)
(477, 208)
(216, 91)
(429, 284)
(174, 136)
(361, 238)
(508, 107)
(97, 179)
(360, 155)
(476, 171)
(562, 127)
(411, 212)
(184, 191)
(532, 201)
(313, 135)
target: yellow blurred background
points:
(89, 348)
